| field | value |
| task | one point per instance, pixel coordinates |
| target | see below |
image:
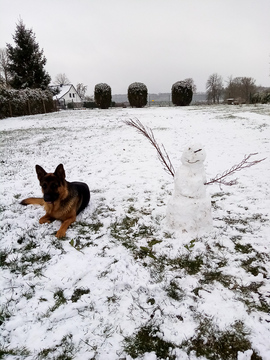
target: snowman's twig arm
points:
(148, 133)
(242, 165)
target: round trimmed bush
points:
(182, 93)
(137, 94)
(103, 95)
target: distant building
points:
(67, 94)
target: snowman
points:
(189, 209)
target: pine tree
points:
(26, 61)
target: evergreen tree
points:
(26, 61)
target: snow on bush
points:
(25, 102)
(137, 94)
(182, 93)
(262, 97)
(103, 95)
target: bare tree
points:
(214, 88)
(4, 73)
(241, 88)
(190, 81)
(61, 79)
(81, 90)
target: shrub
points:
(103, 95)
(182, 93)
(261, 97)
(25, 102)
(266, 98)
(90, 104)
(137, 94)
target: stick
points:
(242, 165)
(166, 162)
(148, 133)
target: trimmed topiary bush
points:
(182, 93)
(103, 95)
(137, 94)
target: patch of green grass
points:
(245, 293)
(5, 314)
(21, 352)
(251, 265)
(65, 350)
(78, 293)
(113, 299)
(213, 343)
(244, 249)
(29, 262)
(86, 228)
(244, 222)
(210, 276)
(3, 257)
(128, 230)
(59, 300)
(147, 339)
(174, 291)
(192, 265)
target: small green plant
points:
(190, 245)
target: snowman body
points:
(189, 209)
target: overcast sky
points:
(157, 42)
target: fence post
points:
(10, 110)
(29, 109)
(44, 107)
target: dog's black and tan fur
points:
(62, 200)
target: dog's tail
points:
(33, 201)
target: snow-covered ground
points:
(121, 285)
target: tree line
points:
(22, 67)
(238, 90)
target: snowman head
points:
(193, 155)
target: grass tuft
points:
(214, 344)
(78, 293)
(147, 339)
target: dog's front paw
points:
(45, 219)
(60, 234)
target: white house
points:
(67, 94)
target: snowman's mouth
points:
(193, 162)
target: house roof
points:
(64, 89)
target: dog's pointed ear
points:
(60, 172)
(40, 172)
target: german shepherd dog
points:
(62, 200)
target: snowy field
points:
(121, 285)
